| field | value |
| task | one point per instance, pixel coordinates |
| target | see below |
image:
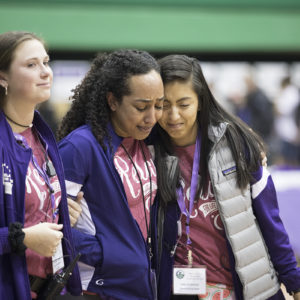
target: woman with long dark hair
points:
(218, 203)
(113, 110)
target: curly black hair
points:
(109, 72)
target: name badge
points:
(58, 259)
(189, 281)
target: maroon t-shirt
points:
(131, 181)
(206, 228)
(38, 206)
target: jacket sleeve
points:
(76, 172)
(266, 210)
(88, 246)
(4, 242)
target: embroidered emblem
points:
(7, 181)
(229, 171)
(100, 282)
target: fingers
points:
(57, 233)
(55, 226)
(72, 220)
(74, 206)
(79, 197)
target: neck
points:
(188, 140)
(117, 129)
(18, 119)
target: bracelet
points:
(292, 293)
(16, 237)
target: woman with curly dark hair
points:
(114, 109)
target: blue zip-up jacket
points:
(266, 211)
(14, 282)
(114, 253)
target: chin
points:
(140, 137)
(43, 99)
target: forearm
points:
(266, 210)
(89, 247)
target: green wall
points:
(159, 25)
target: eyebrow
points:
(36, 58)
(182, 99)
(179, 100)
(148, 100)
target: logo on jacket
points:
(229, 171)
(100, 282)
(7, 181)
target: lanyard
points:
(148, 227)
(42, 172)
(193, 190)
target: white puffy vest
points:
(252, 262)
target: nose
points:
(45, 71)
(173, 113)
(150, 117)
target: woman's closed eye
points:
(141, 109)
(184, 105)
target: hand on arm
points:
(43, 238)
(75, 208)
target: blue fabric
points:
(14, 283)
(118, 250)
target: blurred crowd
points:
(276, 120)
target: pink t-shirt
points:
(131, 180)
(206, 228)
(38, 206)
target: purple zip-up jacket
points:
(14, 282)
(114, 250)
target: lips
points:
(145, 129)
(46, 84)
(175, 126)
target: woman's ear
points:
(111, 101)
(3, 81)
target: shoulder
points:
(81, 137)
(81, 143)
(82, 132)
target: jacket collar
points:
(8, 137)
(215, 133)
(115, 139)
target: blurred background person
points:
(286, 126)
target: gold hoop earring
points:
(6, 91)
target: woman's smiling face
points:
(180, 108)
(30, 77)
